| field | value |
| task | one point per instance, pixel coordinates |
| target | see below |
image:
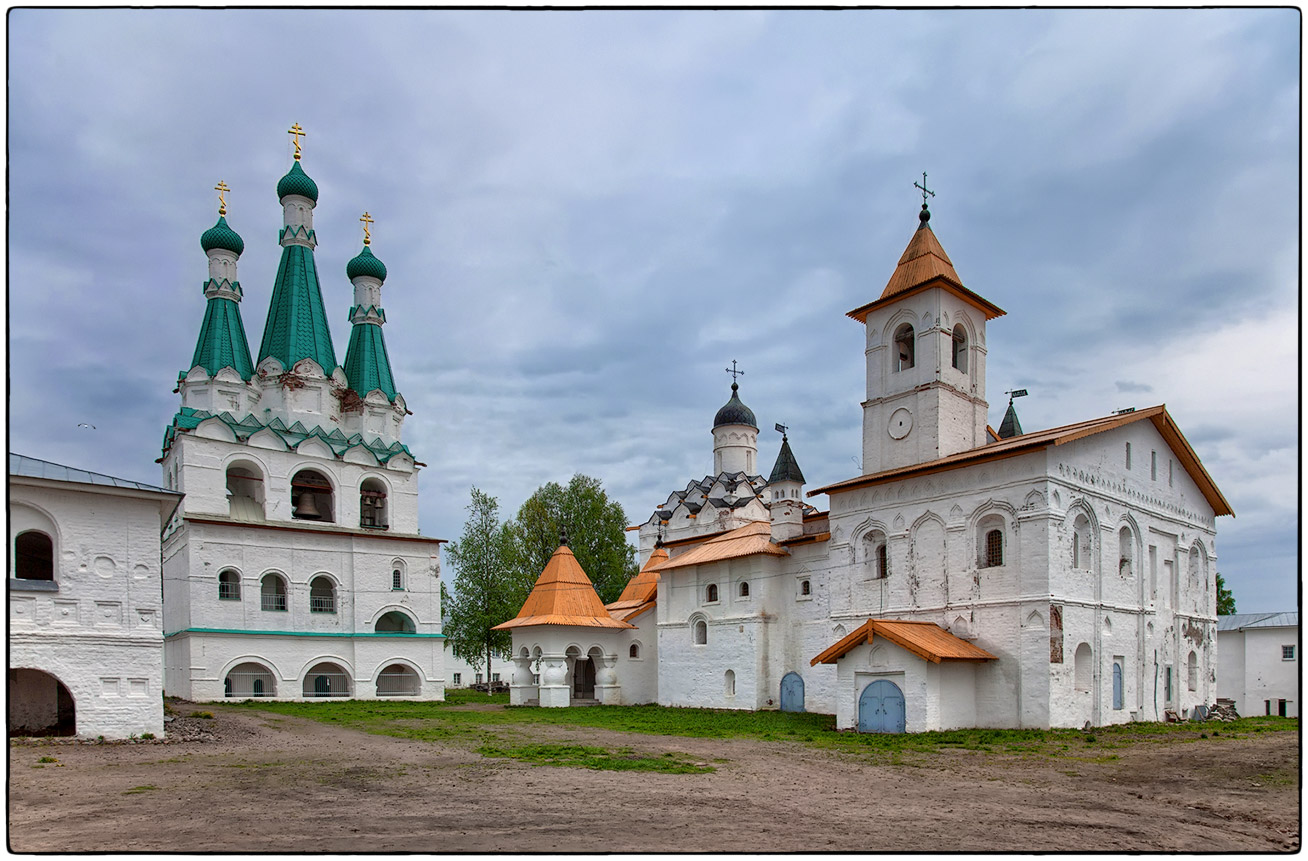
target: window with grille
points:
(994, 548)
(711, 593)
(272, 594)
(229, 586)
(397, 580)
(1287, 653)
(322, 596)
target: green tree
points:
(596, 529)
(1225, 598)
(483, 596)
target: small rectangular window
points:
(1287, 653)
(458, 678)
(1128, 455)
(1169, 472)
(1167, 685)
(1153, 466)
(478, 680)
(495, 677)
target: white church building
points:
(967, 578)
(294, 567)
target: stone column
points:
(522, 689)
(554, 692)
(607, 689)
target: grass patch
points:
(137, 790)
(47, 759)
(584, 756)
(202, 715)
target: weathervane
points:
(296, 132)
(1015, 393)
(367, 236)
(222, 189)
(925, 190)
(781, 429)
(734, 373)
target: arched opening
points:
(40, 704)
(881, 708)
(1125, 549)
(633, 651)
(990, 541)
(244, 492)
(711, 593)
(229, 585)
(905, 348)
(311, 497)
(326, 680)
(1083, 670)
(249, 680)
(372, 504)
(729, 683)
(272, 593)
(397, 576)
(33, 556)
(744, 588)
(395, 622)
(397, 680)
(1082, 546)
(960, 348)
(805, 587)
(701, 633)
(322, 595)
(876, 558)
(1192, 672)
(792, 692)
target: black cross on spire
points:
(925, 190)
(734, 373)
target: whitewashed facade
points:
(85, 615)
(1258, 663)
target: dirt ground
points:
(251, 781)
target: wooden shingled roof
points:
(748, 540)
(563, 595)
(1024, 443)
(927, 640)
(925, 264)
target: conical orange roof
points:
(645, 585)
(925, 264)
(563, 595)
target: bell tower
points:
(925, 351)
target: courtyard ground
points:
(263, 778)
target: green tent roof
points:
(222, 341)
(786, 468)
(367, 365)
(297, 324)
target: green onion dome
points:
(222, 236)
(365, 264)
(734, 412)
(297, 181)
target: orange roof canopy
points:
(563, 595)
(927, 640)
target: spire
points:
(367, 365)
(786, 467)
(297, 323)
(222, 342)
(1010, 426)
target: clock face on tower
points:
(901, 422)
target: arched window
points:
(994, 548)
(249, 680)
(322, 595)
(701, 633)
(397, 680)
(311, 497)
(33, 556)
(1082, 544)
(397, 580)
(1192, 672)
(1083, 668)
(805, 588)
(372, 504)
(633, 651)
(326, 680)
(272, 593)
(244, 492)
(960, 348)
(395, 622)
(875, 556)
(229, 585)
(904, 348)
(729, 682)
(1125, 551)
(711, 593)
(744, 588)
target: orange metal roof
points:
(1024, 443)
(563, 595)
(628, 613)
(924, 264)
(927, 640)
(748, 540)
(645, 585)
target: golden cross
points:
(222, 189)
(367, 236)
(297, 133)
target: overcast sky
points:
(587, 216)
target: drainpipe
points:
(1155, 684)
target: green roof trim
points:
(222, 341)
(360, 635)
(188, 419)
(367, 366)
(786, 468)
(298, 182)
(297, 323)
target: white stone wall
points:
(936, 696)
(97, 628)
(551, 651)
(1251, 670)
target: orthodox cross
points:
(367, 236)
(734, 373)
(925, 190)
(222, 189)
(296, 132)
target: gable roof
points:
(927, 640)
(563, 595)
(751, 539)
(1034, 440)
(1243, 621)
(645, 585)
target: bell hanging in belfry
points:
(306, 506)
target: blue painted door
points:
(881, 708)
(792, 693)
(1117, 685)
